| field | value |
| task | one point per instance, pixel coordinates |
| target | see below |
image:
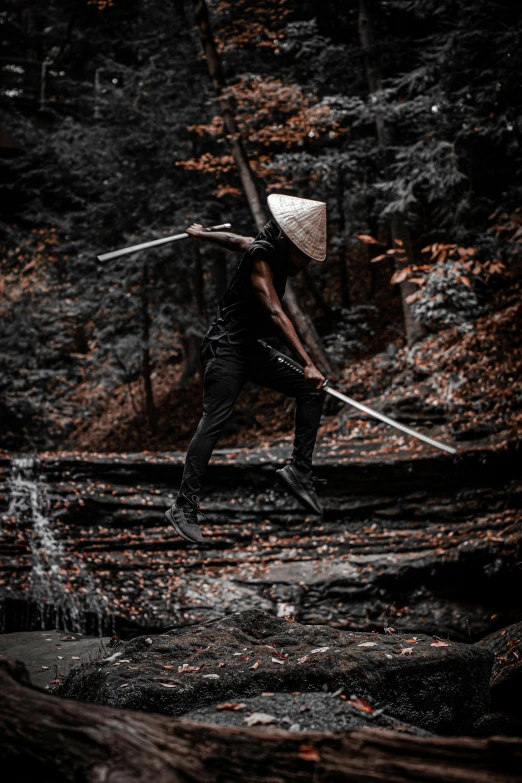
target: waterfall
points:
(60, 585)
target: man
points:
(231, 355)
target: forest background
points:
(126, 121)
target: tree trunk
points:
(301, 320)
(150, 408)
(319, 299)
(49, 739)
(343, 270)
(199, 284)
(227, 113)
(398, 228)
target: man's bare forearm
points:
(225, 239)
(265, 292)
(288, 335)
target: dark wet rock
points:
(416, 540)
(17, 670)
(315, 711)
(51, 655)
(506, 676)
(494, 724)
(441, 688)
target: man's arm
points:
(224, 239)
(263, 287)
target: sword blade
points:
(364, 408)
(386, 419)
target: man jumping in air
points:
(231, 353)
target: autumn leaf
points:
(407, 651)
(361, 704)
(256, 664)
(463, 279)
(260, 718)
(367, 239)
(308, 753)
(439, 643)
(230, 706)
(379, 258)
(367, 644)
(413, 297)
(400, 275)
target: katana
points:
(369, 411)
(154, 243)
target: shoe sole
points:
(294, 488)
(178, 530)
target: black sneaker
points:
(302, 486)
(184, 519)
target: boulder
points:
(49, 739)
(296, 711)
(441, 687)
(495, 724)
(506, 675)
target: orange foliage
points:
(464, 261)
(271, 116)
(251, 26)
(101, 5)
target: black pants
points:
(227, 370)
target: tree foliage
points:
(111, 135)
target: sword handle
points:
(295, 366)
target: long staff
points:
(154, 243)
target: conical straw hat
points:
(303, 221)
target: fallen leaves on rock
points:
(258, 718)
(230, 706)
(360, 704)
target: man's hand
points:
(197, 231)
(313, 377)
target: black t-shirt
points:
(241, 318)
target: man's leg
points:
(225, 375)
(268, 371)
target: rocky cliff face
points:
(422, 543)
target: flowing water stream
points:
(50, 562)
